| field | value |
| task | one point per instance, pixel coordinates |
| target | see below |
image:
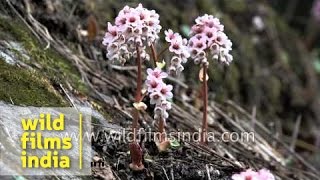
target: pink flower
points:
(142, 13)
(158, 111)
(154, 84)
(175, 60)
(198, 42)
(214, 48)
(185, 55)
(159, 92)
(170, 35)
(161, 110)
(110, 35)
(197, 29)
(121, 18)
(132, 18)
(172, 69)
(166, 105)
(215, 23)
(176, 46)
(133, 27)
(210, 33)
(246, 175)
(156, 97)
(221, 38)
(202, 20)
(209, 21)
(265, 174)
(113, 47)
(208, 36)
(166, 91)
(262, 174)
(156, 73)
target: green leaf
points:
(161, 64)
(174, 144)
(317, 65)
(148, 158)
(185, 29)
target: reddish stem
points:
(138, 94)
(203, 139)
(161, 129)
(136, 157)
(154, 55)
(135, 149)
(163, 50)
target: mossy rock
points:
(53, 65)
(32, 87)
(26, 87)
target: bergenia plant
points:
(262, 174)
(134, 31)
(208, 39)
(137, 29)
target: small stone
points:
(96, 159)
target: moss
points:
(236, 6)
(275, 89)
(24, 87)
(206, 6)
(54, 66)
(232, 80)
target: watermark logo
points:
(39, 148)
(124, 135)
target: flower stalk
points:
(203, 138)
(154, 55)
(208, 38)
(137, 95)
(163, 144)
(163, 51)
(161, 130)
(135, 149)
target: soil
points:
(176, 163)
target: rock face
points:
(11, 150)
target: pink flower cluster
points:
(159, 92)
(208, 36)
(316, 10)
(178, 46)
(133, 27)
(262, 174)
